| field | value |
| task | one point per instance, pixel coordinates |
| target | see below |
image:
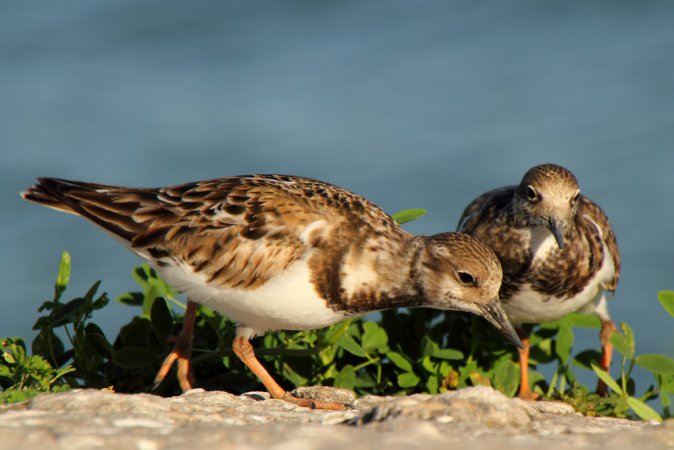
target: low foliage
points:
(389, 353)
(23, 376)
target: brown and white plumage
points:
(557, 249)
(284, 252)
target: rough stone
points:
(476, 418)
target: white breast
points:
(541, 242)
(529, 306)
(288, 301)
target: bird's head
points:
(458, 272)
(548, 196)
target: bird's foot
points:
(528, 395)
(313, 404)
(181, 353)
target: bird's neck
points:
(381, 279)
(404, 288)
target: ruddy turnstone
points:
(558, 252)
(283, 252)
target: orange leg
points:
(244, 350)
(607, 327)
(525, 390)
(182, 350)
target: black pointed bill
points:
(556, 227)
(495, 314)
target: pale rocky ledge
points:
(473, 418)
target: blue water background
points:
(411, 104)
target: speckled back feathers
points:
(216, 226)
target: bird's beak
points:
(495, 314)
(556, 227)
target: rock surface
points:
(475, 418)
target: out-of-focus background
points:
(411, 104)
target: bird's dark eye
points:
(466, 278)
(575, 198)
(532, 195)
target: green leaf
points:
(584, 320)
(62, 371)
(408, 380)
(150, 294)
(667, 384)
(99, 344)
(101, 301)
(564, 343)
(63, 277)
(9, 358)
(350, 345)
(408, 215)
(621, 344)
(133, 358)
(642, 410)
(543, 349)
(131, 299)
(478, 379)
(447, 353)
(335, 331)
(89, 296)
(374, 337)
(141, 275)
(432, 385)
(400, 361)
(346, 378)
(427, 346)
(555, 324)
(161, 320)
(665, 400)
(666, 299)
(606, 378)
(96, 338)
(656, 363)
(506, 378)
(629, 336)
(430, 366)
(430, 348)
(68, 312)
(365, 380)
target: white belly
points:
(288, 301)
(529, 306)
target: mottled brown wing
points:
(236, 231)
(473, 214)
(590, 210)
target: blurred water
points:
(409, 104)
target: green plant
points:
(662, 367)
(23, 376)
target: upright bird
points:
(282, 252)
(557, 249)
